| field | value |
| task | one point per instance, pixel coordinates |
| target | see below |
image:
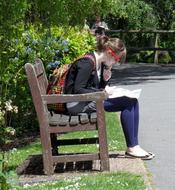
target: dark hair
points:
(100, 31)
(104, 42)
(116, 44)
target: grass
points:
(112, 181)
(107, 181)
(114, 133)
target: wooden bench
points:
(52, 125)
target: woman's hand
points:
(107, 74)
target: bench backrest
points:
(41, 76)
(38, 85)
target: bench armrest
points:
(57, 98)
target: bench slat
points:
(74, 120)
(63, 120)
(79, 127)
(75, 157)
(93, 117)
(83, 117)
(59, 119)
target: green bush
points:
(53, 46)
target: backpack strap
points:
(89, 56)
(92, 58)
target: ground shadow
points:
(33, 165)
(129, 74)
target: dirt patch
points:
(17, 143)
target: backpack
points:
(57, 82)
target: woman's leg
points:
(129, 116)
(129, 108)
(82, 107)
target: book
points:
(115, 91)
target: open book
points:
(115, 91)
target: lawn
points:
(107, 181)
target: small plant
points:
(6, 133)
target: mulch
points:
(19, 142)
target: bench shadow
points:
(33, 165)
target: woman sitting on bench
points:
(86, 76)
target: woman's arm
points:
(85, 68)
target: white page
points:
(114, 92)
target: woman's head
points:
(112, 47)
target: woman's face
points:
(109, 61)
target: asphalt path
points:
(157, 116)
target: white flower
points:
(15, 109)
(14, 149)
(12, 132)
(26, 185)
(8, 105)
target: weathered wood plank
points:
(74, 120)
(75, 157)
(59, 119)
(79, 127)
(93, 117)
(142, 31)
(83, 117)
(55, 98)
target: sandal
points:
(148, 156)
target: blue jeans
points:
(129, 108)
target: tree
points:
(138, 14)
(164, 10)
(134, 14)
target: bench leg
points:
(47, 152)
(48, 166)
(103, 146)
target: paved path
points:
(157, 116)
